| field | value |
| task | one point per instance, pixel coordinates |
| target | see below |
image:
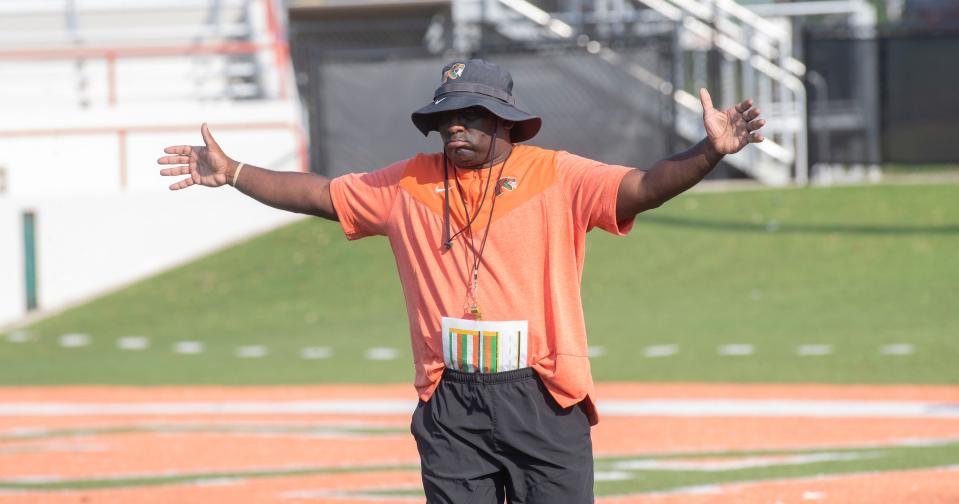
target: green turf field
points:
(847, 273)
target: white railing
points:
(761, 53)
(142, 50)
(758, 50)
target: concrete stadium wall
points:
(98, 228)
(91, 244)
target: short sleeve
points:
(592, 188)
(363, 201)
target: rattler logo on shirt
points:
(506, 184)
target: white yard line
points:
(628, 408)
(381, 353)
(74, 340)
(367, 407)
(736, 349)
(721, 488)
(813, 350)
(667, 350)
(251, 352)
(738, 463)
(779, 408)
(133, 343)
(316, 352)
(897, 349)
(365, 493)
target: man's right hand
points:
(205, 164)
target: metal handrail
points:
(111, 54)
(702, 12)
(771, 70)
(539, 16)
(728, 38)
(205, 38)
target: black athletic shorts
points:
(484, 438)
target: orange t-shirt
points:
(531, 267)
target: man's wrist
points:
(713, 156)
(231, 171)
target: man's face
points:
(467, 135)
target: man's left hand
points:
(728, 131)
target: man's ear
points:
(508, 124)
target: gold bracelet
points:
(237, 173)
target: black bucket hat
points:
(477, 83)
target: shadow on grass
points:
(773, 226)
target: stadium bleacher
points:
(92, 91)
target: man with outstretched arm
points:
(489, 238)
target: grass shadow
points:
(773, 226)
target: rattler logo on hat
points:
(477, 83)
(454, 72)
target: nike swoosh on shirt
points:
(439, 189)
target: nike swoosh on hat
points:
(437, 102)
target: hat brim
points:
(526, 125)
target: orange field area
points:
(297, 444)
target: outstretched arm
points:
(727, 132)
(209, 166)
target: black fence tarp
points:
(889, 97)
(920, 103)
(360, 94)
